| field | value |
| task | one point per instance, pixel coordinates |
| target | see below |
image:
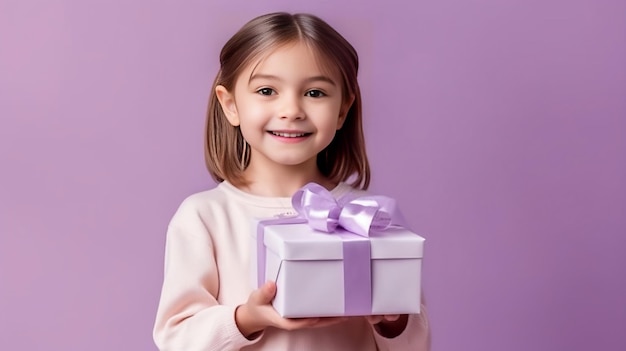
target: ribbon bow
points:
(359, 216)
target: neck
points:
(283, 180)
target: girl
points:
(285, 110)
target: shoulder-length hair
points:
(345, 157)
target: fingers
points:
(295, 324)
(328, 321)
(380, 318)
(374, 319)
(391, 317)
(300, 323)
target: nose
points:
(291, 107)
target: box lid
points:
(301, 242)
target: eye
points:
(314, 93)
(266, 91)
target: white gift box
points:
(308, 268)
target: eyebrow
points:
(308, 80)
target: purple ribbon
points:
(359, 216)
(317, 207)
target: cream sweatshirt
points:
(207, 273)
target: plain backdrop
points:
(499, 126)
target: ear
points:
(343, 112)
(227, 101)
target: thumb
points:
(265, 294)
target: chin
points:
(294, 161)
(291, 163)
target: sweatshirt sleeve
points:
(415, 337)
(189, 318)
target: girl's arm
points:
(189, 316)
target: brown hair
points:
(225, 154)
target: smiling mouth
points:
(290, 135)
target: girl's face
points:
(287, 107)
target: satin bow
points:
(359, 216)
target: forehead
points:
(299, 54)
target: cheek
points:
(331, 124)
(326, 109)
(250, 111)
(331, 115)
(252, 121)
(250, 133)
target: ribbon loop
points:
(359, 216)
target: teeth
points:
(289, 135)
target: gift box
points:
(334, 271)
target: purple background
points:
(498, 125)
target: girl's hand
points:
(389, 326)
(373, 320)
(257, 314)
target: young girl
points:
(285, 110)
